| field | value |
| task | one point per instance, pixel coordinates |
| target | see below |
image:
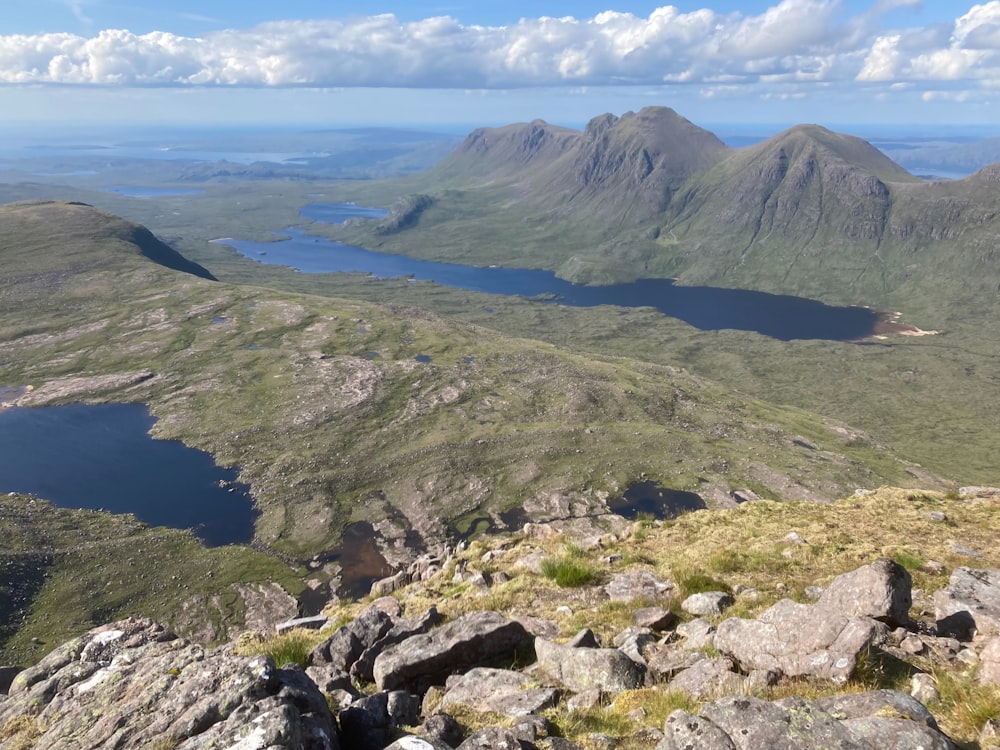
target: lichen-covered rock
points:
(363, 668)
(477, 639)
(350, 641)
(708, 678)
(130, 684)
(798, 640)
(582, 669)
(707, 603)
(970, 604)
(637, 584)
(498, 691)
(746, 723)
(881, 590)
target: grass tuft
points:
(292, 647)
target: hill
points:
(649, 194)
(338, 412)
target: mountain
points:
(649, 194)
(632, 163)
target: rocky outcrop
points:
(867, 721)
(478, 639)
(970, 605)
(881, 590)
(799, 640)
(132, 685)
(497, 691)
(582, 669)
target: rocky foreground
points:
(782, 679)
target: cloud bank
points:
(795, 41)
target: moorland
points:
(313, 387)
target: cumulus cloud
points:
(804, 41)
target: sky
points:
(919, 63)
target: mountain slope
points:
(85, 236)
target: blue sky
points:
(912, 62)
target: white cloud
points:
(794, 41)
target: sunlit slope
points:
(332, 418)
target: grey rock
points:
(970, 604)
(667, 661)
(582, 669)
(860, 723)
(350, 641)
(881, 590)
(683, 731)
(542, 626)
(636, 645)
(697, 634)
(798, 640)
(130, 685)
(793, 725)
(365, 724)
(881, 733)
(989, 663)
(500, 691)
(412, 742)
(307, 623)
(491, 738)
(385, 586)
(403, 708)
(708, 678)
(442, 728)
(654, 618)
(529, 729)
(637, 584)
(558, 743)
(363, 669)
(477, 639)
(329, 678)
(923, 688)
(585, 699)
(707, 603)
(874, 702)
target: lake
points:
(102, 457)
(706, 308)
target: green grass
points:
(567, 571)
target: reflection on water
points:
(103, 457)
(652, 500)
(707, 308)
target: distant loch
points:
(781, 317)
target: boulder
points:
(989, 662)
(477, 639)
(368, 723)
(491, 738)
(799, 640)
(747, 723)
(654, 618)
(498, 691)
(363, 669)
(582, 669)
(411, 742)
(707, 603)
(442, 728)
(132, 685)
(881, 590)
(708, 678)
(350, 641)
(970, 604)
(637, 584)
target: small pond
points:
(708, 308)
(103, 457)
(651, 500)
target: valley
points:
(429, 412)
